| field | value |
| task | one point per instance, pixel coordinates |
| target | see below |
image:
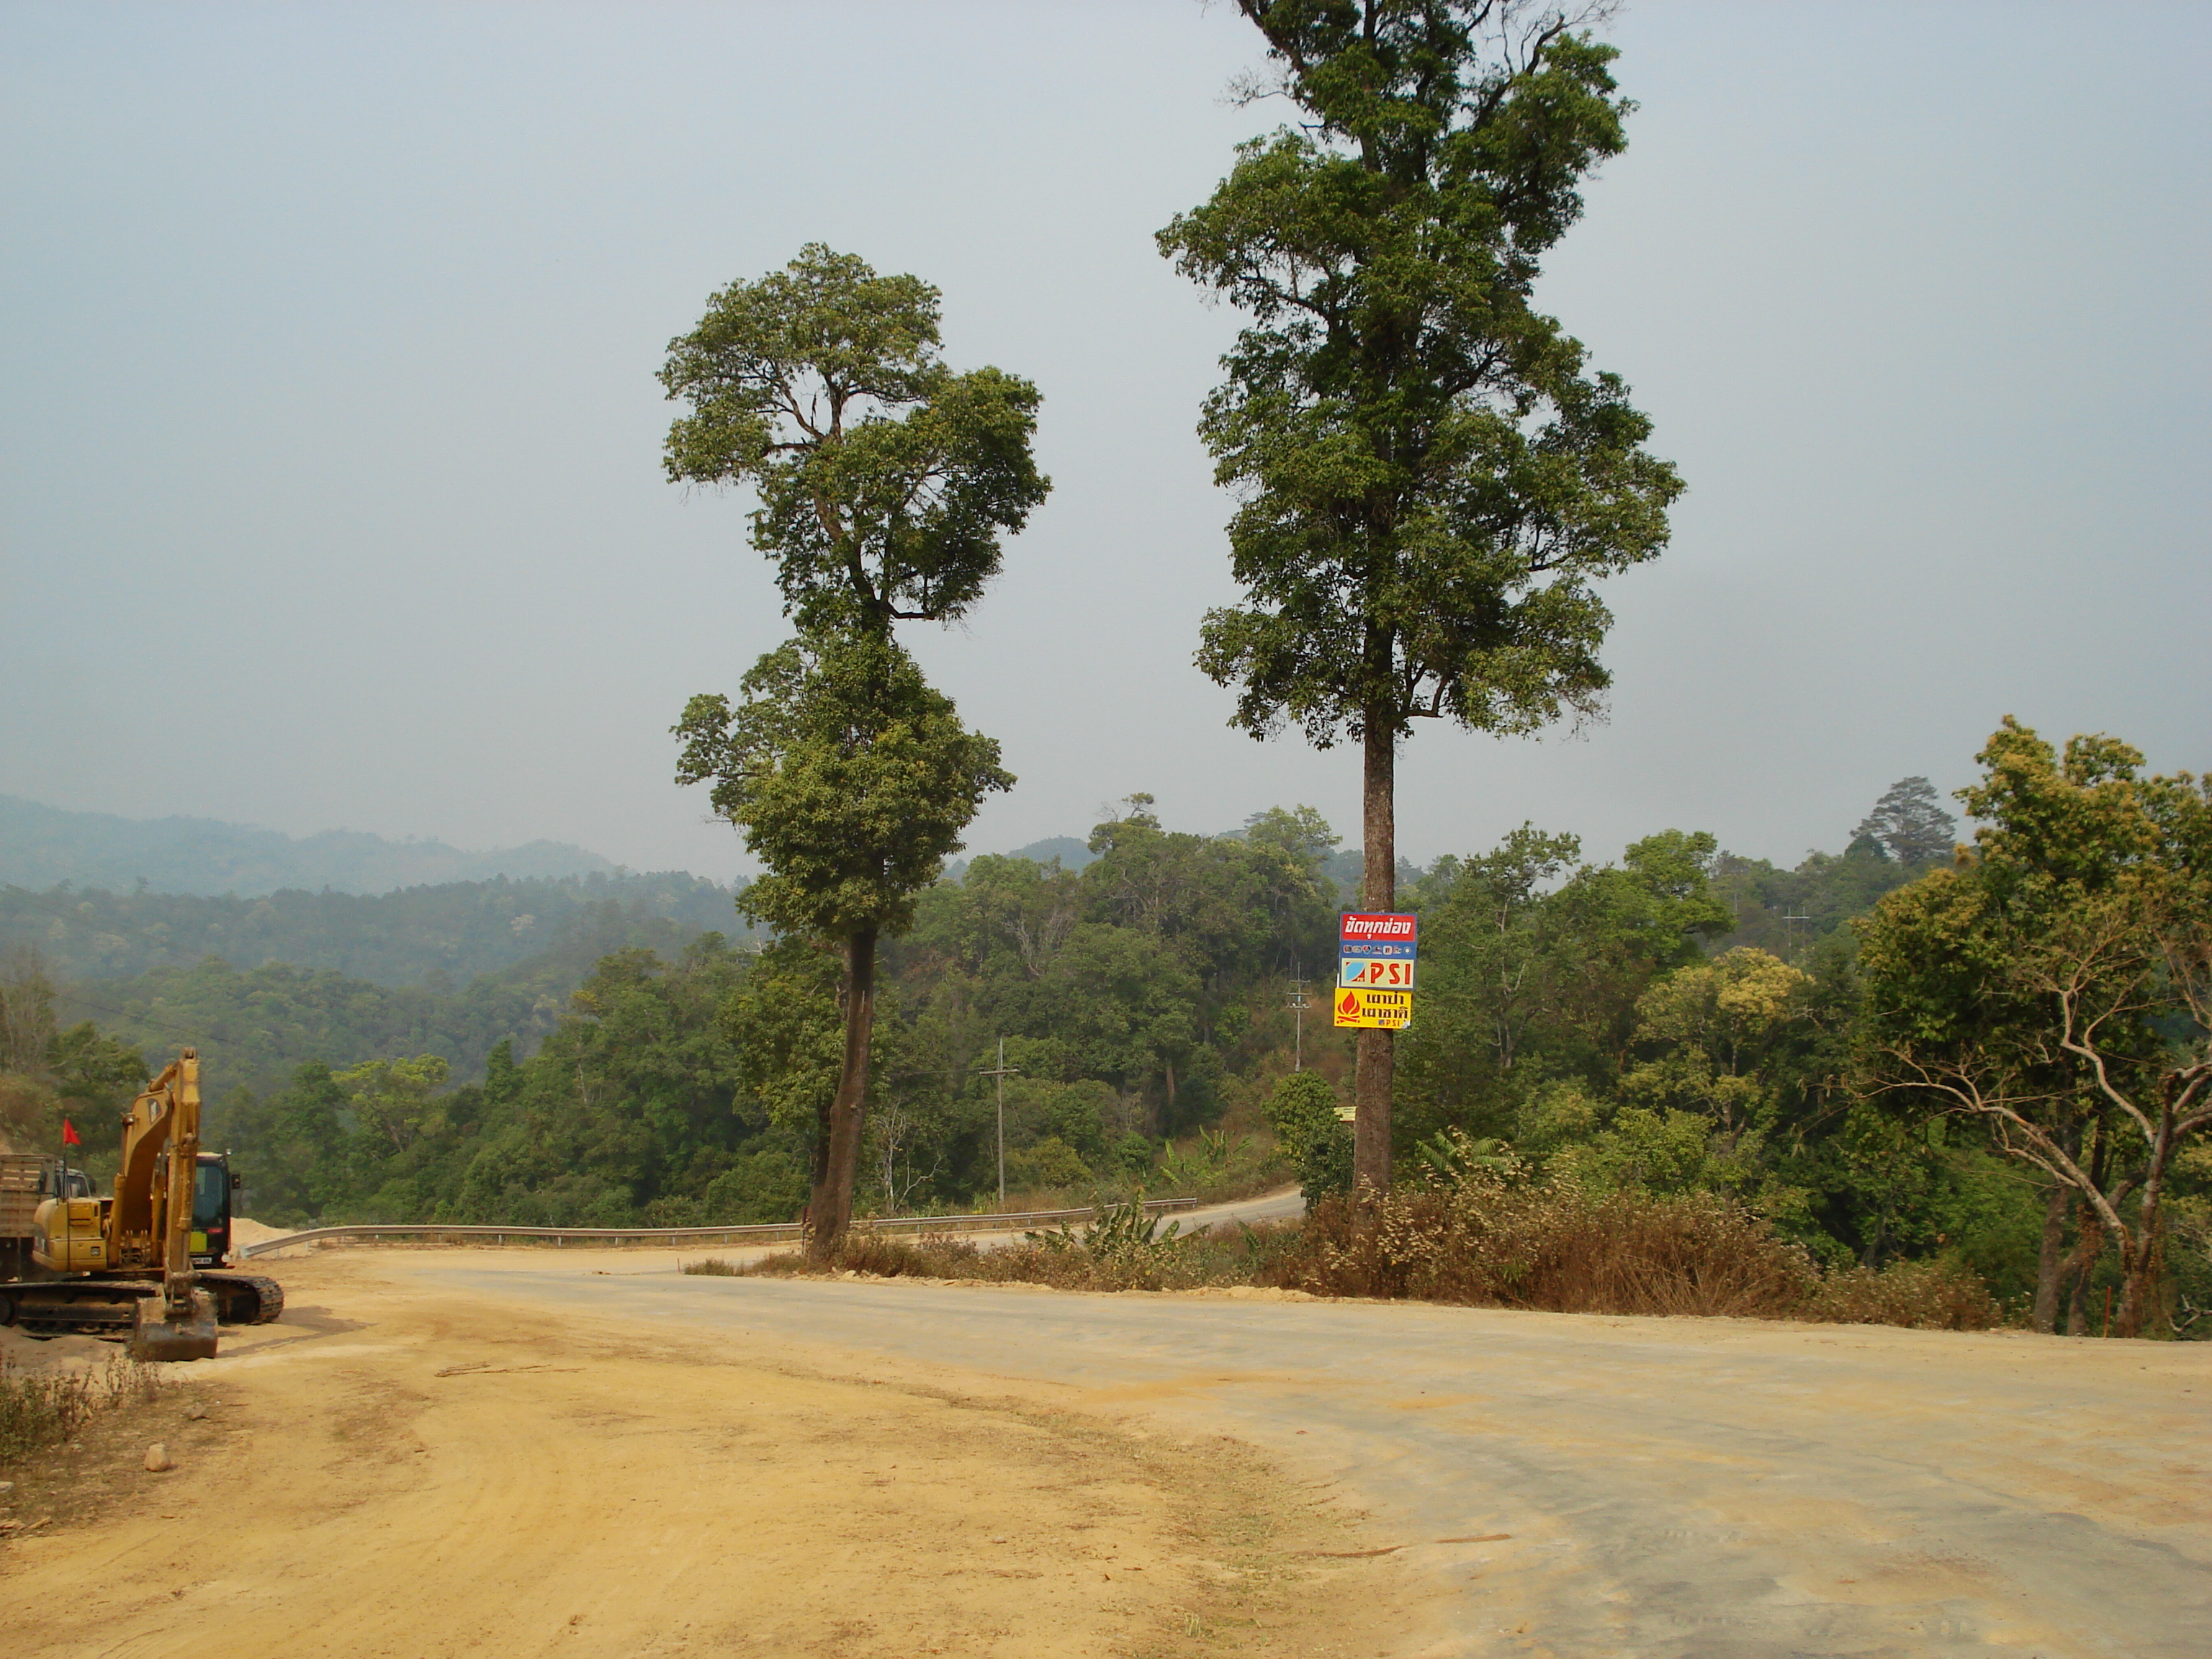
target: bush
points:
(1929, 1296)
(1302, 1112)
(1493, 1237)
(1487, 1235)
(43, 1408)
(1120, 1250)
(1490, 1240)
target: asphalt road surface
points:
(1589, 1486)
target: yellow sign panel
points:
(1389, 1011)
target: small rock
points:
(157, 1458)
(195, 1411)
(7, 1486)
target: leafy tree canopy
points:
(851, 778)
(884, 478)
(1909, 823)
(1430, 479)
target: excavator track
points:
(96, 1307)
(245, 1299)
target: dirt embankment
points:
(392, 1470)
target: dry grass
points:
(39, 1409)
(1487, 1239)
(1493, 1240)
(1120, 1250)
(1934, 1296)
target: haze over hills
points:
(41, 847)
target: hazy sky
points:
(330, 480)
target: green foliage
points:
(1532, 966)
(2054, 989)
(851, 778)
(884, 479)
(1303, 1111)
(1573, 1032)
(634, 1110)
(1909, 824)
(255, 1028)
(1431, 482)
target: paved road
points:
(1700, 1489)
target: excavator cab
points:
(212, 1186)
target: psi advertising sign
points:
(1375, 959)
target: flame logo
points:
(1351, 1003)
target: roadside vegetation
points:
(1479, 1240)
(43, 1408)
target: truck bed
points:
(21, 1175)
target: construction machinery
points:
(146, 1262)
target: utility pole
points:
(1298, 1007)
(1790, 934)
(1001, 1073)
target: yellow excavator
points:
(149, 1259)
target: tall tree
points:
(2056, 986)
(1430, 479)
(851, 781)
(884, 479)
(884, 482)
(1910, 822)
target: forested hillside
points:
(438, 936)
(45, 845)
(1143, 999)
(1676, 1020)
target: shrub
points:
(1930, 1296)
(1492, 1237)
(1490, 1240)
(1302, 1112)
(42, 1408)
(1120, 1250)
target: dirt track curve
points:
(714, 1475)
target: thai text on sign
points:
(1377, 926)
(1389, 1011)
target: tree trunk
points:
(2049, 1278)
(1373, 1057)
(838, 1162)
(2079, 1267)
(2142, 1258)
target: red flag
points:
(69, 1136)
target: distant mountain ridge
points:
(41, 847)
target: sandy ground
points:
(400, 1468)
(1577, 1487)
(484, 1451)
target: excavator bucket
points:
(154, 1336)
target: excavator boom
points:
(154, 1186)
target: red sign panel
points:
(1376, 927)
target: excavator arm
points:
(150, 1223)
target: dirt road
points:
(406, 1468)
(1701, 1488)
(477, 1452)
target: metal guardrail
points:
(773, 1232)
